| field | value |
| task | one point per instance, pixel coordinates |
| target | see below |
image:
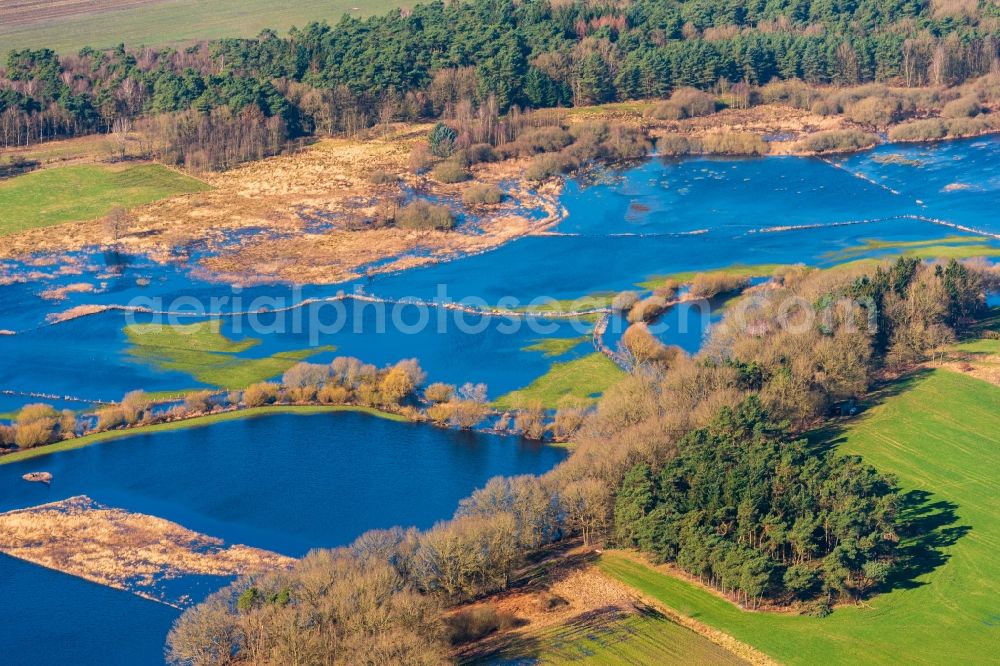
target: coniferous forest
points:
(413, 64)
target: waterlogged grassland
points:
(196, 422)
(200, 350)
(553, 347)
(957, 247)
(156, 22)
(84, 192)
(613, 639)
(736, 270)
(584, 379)
(200, 337)
(939, 434)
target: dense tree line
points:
(428, 61)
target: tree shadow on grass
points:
(929, 527)
(928, 524)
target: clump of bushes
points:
(449, 172)
(648, 308)
(668, 288)
(707, 285)
(549, 165)
(931, 129)
(540, 140)
(110, 417)
(479, 194)
(471, 624)
(791, 92)
(331, 394)
(549, 601)
(624, 301)
(834, 141)
(963, 107)
(380, 177)
(135, 406)
(875, 111)
(686, 103)
(934, 129)
(36, 425)
(480, 152)
(439, 392)
(644, 347)
(198, 402)
(529, 420)
(826, 107)
(959, 127)
(423, 215)
(420, 158)
(675, 145)
(258, 395)
(734, 143)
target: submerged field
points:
(70, 25)
(940, 434)
(84, 192)
(201, 351)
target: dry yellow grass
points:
(592, 602)
(128, 551)
(280, 194)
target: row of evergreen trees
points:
(534, 53)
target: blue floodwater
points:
(292, 483)
(285, 483)
(661, 217)
(52, 619)
(329, 477)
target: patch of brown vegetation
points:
(271, 207)
(60, 293)
(581, 590)
(75, 313)
(983, 367)
(128, 551)
(766, 120)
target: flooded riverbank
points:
(290, 483)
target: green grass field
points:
(197, 422)
(940, 435)
(201, 351)
(955, 246)
(85, 192)
(584, 378)
(553, 347)
(162, 22)
(614, 639)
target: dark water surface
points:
(286, 483)
(52, 619)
